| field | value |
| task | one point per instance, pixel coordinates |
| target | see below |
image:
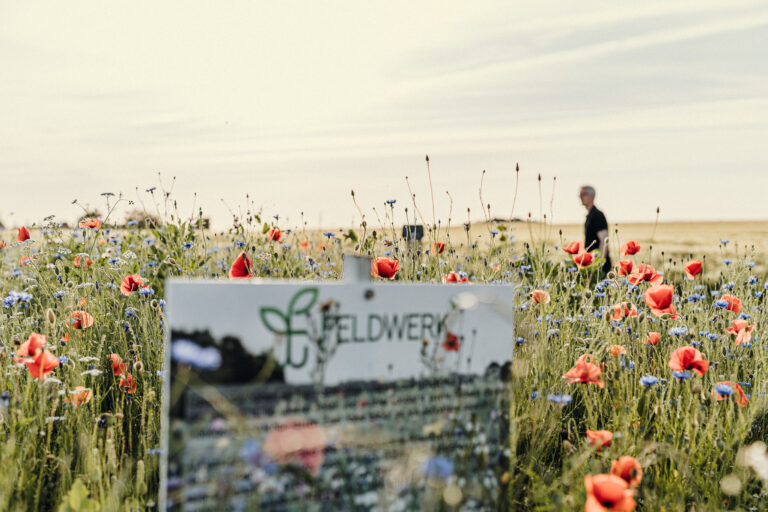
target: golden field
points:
(660, 242)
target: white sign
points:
(336, 367)
(336, 332)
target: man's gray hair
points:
(589, 189)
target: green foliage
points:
(77, 499)
(103, 454)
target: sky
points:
(294, 104)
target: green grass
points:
(103, 455)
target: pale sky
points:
(654, 103)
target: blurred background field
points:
(677, 240)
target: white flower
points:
(754, 456)
(93, 372)
(466, 300)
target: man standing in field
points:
(595, 227)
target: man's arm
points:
(602, 235)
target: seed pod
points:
(50, 316)
(141, 485)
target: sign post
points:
(352, 395)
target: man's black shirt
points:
(596, 222)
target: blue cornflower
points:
(390, 202)
(146, 291)
(437, 467)
(721, 303)
(534, 395)
(678, 331)
(649, 380)
(520, 340)
(63, 359)
(187, 245)
(131, 223)
(681, 375)
(724, 389)
(727, 261)
(328, 234)
(724, 242)
(560, 399)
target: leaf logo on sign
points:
(281, 323)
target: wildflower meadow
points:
(642, 389)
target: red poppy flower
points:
(30, 347)
(117, 364)
(584, 372)
(738, 395)
(653, 338)
(692, 269)
(659, 299)
(540, 297)
(88, 261)
(297, 441)
(624, 267)
(23, 234)
(574, 247)
(630, 248)
(734, 304)
(451, 343)
(82, 396)
(589, 358)
(25, 260)
(304, 244)
(90, 223)
(645, 272)
(80, 320)
(608, 493)
(3, 245)
(616, 350)
(623, 310)
(688, 358)
(584, 259)
(742, 330)
(131, 283)
(628, 469)
(127, 383)
(384, 267)
(275, 235)
(42, 364)
(599, 438)
(241, 267)
(453, 277)
(438, 247)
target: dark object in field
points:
(413, 232)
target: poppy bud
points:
(50, 316)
